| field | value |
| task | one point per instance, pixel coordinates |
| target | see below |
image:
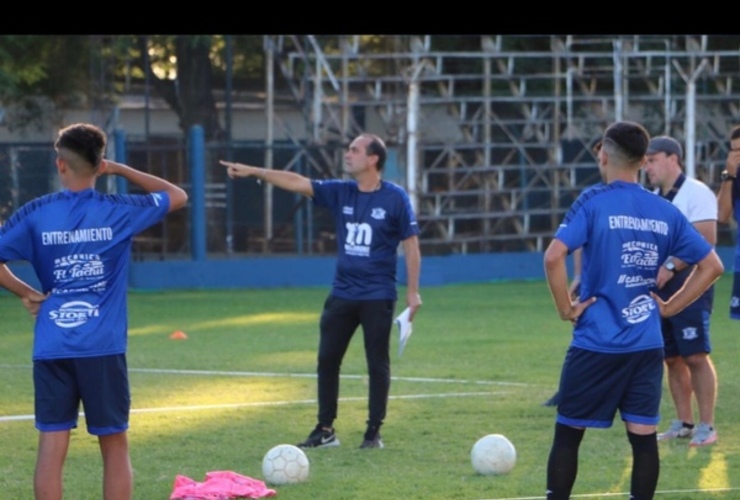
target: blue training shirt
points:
(626, 233)
(369, 227)
(79, 244)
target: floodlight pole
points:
(690, 123)
(412, 120)
(269, 133)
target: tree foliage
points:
(40, 74)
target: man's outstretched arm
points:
(284, 179)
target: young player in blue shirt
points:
(615, 360)
(372, 218)
(78, 241)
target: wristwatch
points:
(670, 265)
(726, 176)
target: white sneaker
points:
(676, 430)
(704, 435)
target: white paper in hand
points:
(404, 329)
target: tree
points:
(40, 73)
(190, 92)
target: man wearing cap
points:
(686, 335)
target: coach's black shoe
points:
(320, 438)
(372, 443)
(372, 438)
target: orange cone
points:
(178, 335)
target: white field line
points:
(219, 373)
(602, 495)
(10, 418)
(313, 375)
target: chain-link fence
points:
(241, 217)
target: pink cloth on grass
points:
(220, 485)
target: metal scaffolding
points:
(495, 142)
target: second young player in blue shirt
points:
(615, 360)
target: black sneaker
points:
(372, 437)
(372, 443)
(320, 438)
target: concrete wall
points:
(276, 272)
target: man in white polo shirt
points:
(686, 335)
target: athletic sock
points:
(645, 465)
(562, 465)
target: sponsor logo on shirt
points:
(72, 314)
(359, 239)
(629, 281)
(639, 254)
(98, 287)
(639, 309)
(80, 269)
(348, 210)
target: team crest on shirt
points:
(348, 210)
(378, 213)
(690, 333)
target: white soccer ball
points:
(493, 454)
(284, 464)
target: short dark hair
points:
(735, 132)
(376, 147)
(85, 140)
(630, 138)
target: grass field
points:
(481, 360)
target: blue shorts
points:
(100, 383)
(594, 385)
(687, 332)
(735, 299)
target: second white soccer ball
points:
(493, 454)
(284, 464)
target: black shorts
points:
(100, 383)
(687, 333)
(594, 385)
